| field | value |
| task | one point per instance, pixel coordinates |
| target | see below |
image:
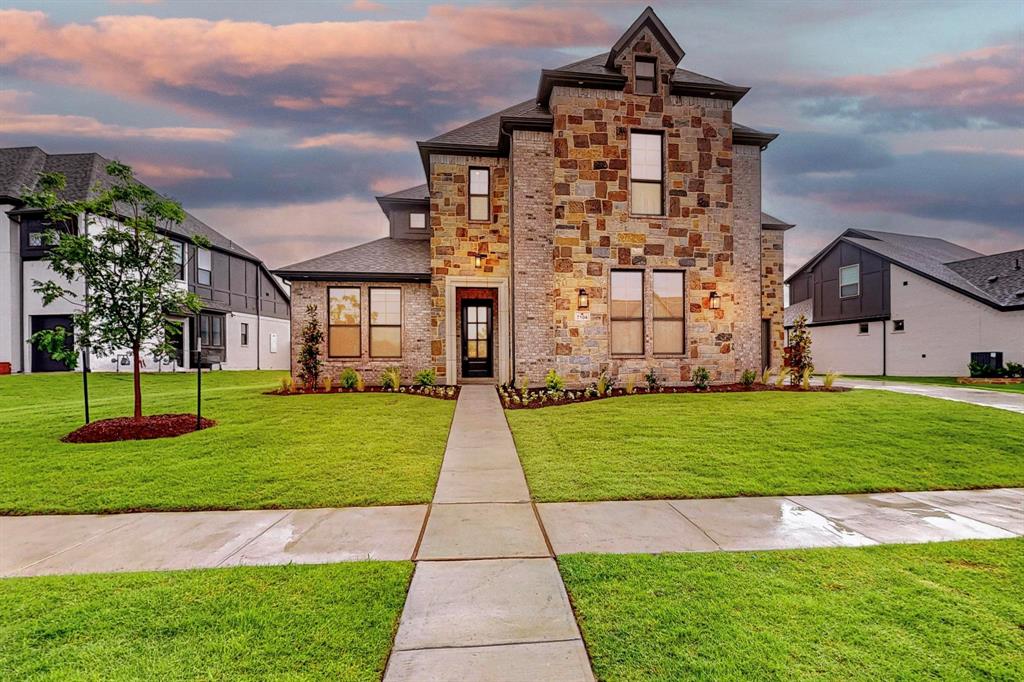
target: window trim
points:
(643, 315)
(653, 80)
(199, 279)
(470, 195)
(400, 325)
(682, 318)
(358, 325)
(422, 227)
(660, 134)
(243, 334)
(847, 267)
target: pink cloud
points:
(169, 174)
(12, 122)
(367, 6)
(360, 141)
(387, 185)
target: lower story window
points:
(668, 327)
(864, 328)
(245, 334)
(385, 322)
(343, 318)
(627, 312)
(211, 330)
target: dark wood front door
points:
(41, 360)
(766, 343)
(477, 346)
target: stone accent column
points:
(532, 264)
(772, 262)
(747, 256)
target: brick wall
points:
(747, 265)
(532, 242)
(772, 261)
(416, 329)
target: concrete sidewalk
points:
(1003, 400)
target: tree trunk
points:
(137, 380)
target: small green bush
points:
(349, 378)
(748, 378)
(553, 382)
(830, 378)
(653, 384)
(700, 377)
(1014, 369)
(391, 378)
(426, 377)
(605, 384)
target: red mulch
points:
(128, 428)
(581, 397)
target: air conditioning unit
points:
(990, 359)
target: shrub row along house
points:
(884, 303)
(244, 322)
(610, 223)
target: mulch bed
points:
(580, 396)
(437, 392)
(128, 428)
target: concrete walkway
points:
(1003, 400)
(486, 601)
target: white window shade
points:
(645, 156)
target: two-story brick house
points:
(611, 223)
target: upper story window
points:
(343, 317)
(646, 173)
(627, 312)
(479, 193)
(668, 288)
(178, 253)
(204, 266)
(849, 281)
(646, 76)
(417, 221)
(385, 322)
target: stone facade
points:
(416, 329)
(772, 304)
(747, 270)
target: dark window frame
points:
(660, 134)
(846, 267)
(643, 315)
(179, 248)
(400, 325)
(200, 270)
(206, 336)
(243, 334)
(637, 79)
(470, 194)
(682, 318)
(358, 325)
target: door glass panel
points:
(481, 349)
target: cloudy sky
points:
(277, 123)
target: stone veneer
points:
(595, 232)
(416, 329)
(772, 304)
(747, 266)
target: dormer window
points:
(417, 221)
(646, 76)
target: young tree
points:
(798, 352)
(310, 361)
(127, 265)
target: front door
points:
(477, 324)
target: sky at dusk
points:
(277, 123)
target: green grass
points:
(941, 611)
(292, 622)
(725, 444)
(945, 381)
(266, 451)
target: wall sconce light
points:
(714, 301)
(479, 261)
(583, 302)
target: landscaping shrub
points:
(780, 378)
(748, 378)
(286, 384)
(328, 384)
(798, 352)
(349, 378)
(652, 380)
(554, 382)
(830, 378)
(805, 379)
(700, 377)
(310, 362)
(605, 384)
(1014, 369)
(425, 377)
(391, 378)
(766, 376)
(630, 384)
(982, 370)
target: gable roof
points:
(770, 222)
(382, 260)
(409, 197)
(943, 262)
(649, 20)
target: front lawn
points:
(907, 612)
(266, 451)
(728, 444)
(945, 381)
(317, 622)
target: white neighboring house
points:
(244, 322)
(880, 303)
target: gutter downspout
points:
(21, 299)
(884, 350)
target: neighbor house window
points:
(343, 318)
(863, 328)
(418, 221)
(849, 281)
(668, 311)
(211, 330)
(898, 326)
(178, 253)
(645, 173)
(627, 312)
(385, 322)
(204, 267)
(646, 76)
(245, 334)
(479, 194)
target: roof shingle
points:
(404, 258)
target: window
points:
(204, 269)
(849, 281)
(479, 194)
(864, 327)
(627, 312)
(178, 252)
(35, 238)
(417, 221)
(211, 330)
(343, 320)
(668, 311)
(385, 323)
(245, 333)
(898, 326)
(645, 173)
(646, 76)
